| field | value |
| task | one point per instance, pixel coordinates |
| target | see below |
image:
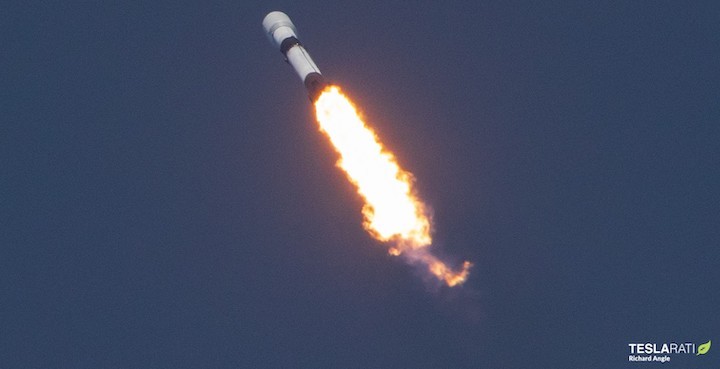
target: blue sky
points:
(168, 201)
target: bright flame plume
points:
(392, 212)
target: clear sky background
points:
(166, 199)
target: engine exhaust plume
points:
(392, 212)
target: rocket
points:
(283, 34)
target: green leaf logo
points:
(704, 348)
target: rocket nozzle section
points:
(314, 84)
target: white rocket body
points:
(283, 34)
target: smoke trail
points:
(392, 213)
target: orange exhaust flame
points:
(391, 210)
